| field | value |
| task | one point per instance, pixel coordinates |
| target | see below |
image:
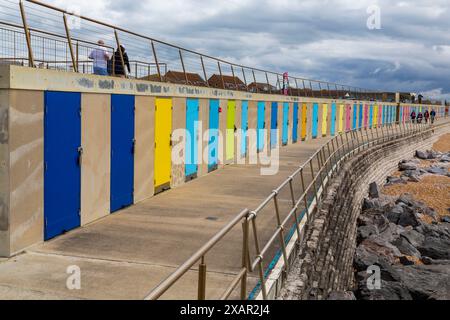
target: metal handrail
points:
(324, 89)
(329, 159)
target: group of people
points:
(420, 117)
(105, 65)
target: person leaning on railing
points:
(100, 57)
(118, 69)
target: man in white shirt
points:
(100, 57)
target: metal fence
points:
(318, 169)
(40, 35)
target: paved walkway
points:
(126, 254)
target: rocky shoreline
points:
(405, 239)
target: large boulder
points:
(442, 171)
(435, 248)
(402, 166)
(422, 155)
(406, 248)
(374, 192)
(413, 237)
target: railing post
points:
(69, 41)
(204, 71)
(268, 83)
(122, 61)
(245, 78)
(258, 252)
(234, 77)
(254, 79)
(202, 280)
(282, 241)
(27, 35)
(184, 69)
(156, 61)
(245, 262)
(305, 198)
(221, 75)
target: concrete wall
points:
(325, 262)
(22, 133)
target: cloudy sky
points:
(320, 39)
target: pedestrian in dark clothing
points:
(433, 116)
(413, 116)
(118, 69)
(419, 117)
(426, 115)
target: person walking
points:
(413, 116)
(426, 115)
(433, 116)
(419, 117)
(118, 68)
(100, 57)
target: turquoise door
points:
(295, 124)
(285, 123)
(355, 111)
(261, 125)
(192, 111)
(333, 119)
(360, 118)
(213, 144)
(315, 120)
(244, 128)
(371, 116)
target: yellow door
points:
(341, 118)
(163, 130)
(231, 115)
(375, 115)
(324, 119)
(304, 120)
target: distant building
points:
(231, 83)
(261, 87)
(178, 77)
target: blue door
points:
(244, 125)
(360, 118)
(371, 116)
(192, 111)
(261, 125)
(213, 144)
(295, 124)
(333, 119)
(355, 111)
(274, 125)
(62, 157)
(315, 120)
(284, 138)
(122, 151)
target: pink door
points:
(348, 114)
(366, 115)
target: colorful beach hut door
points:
(192, 111)
(324, 119)
(62, 161)
(163, 131)
(274, 125)
(315, 120)
(355, 111)
(244, 125)
(348, 110)
(304, 121)
(213, 145)
(122, 151)
(285, 134)
(366, 115)
(231, 127)
(371, 116)
(360, 116)
(261, 125)
(333, 119)
(295, 123)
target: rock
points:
(407, 166)
(435, 248)
(422, 155)
(406, 261)
(373, 191)
(395, 180)
(393, 214)
(374, 217)
(407, 199)
(390, 290)
(425, 282)
(406, 248)
(433, 154)
(445, 158)
(365, 232)
(429, 261)
(408, 218)
(414, 179)
(445, 219)
(438, 171)
(436, 231)
(381, 247)
(370, 204)
(413, 237)
(341, 296)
